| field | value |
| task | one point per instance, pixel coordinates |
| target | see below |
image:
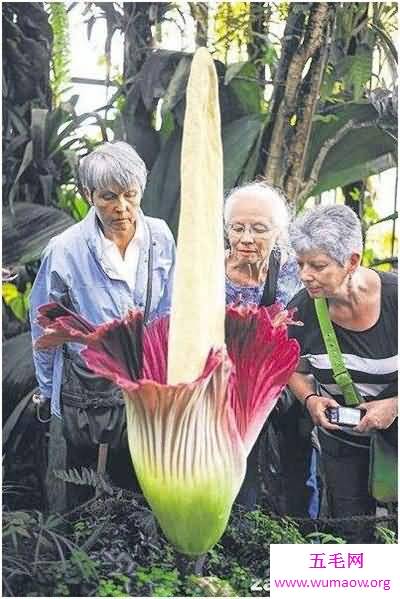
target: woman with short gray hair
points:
(362, 305)
(114, 260)
(335, 230)
(112, 164)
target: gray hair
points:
(333, 230)
(268, 193)
(112, 163)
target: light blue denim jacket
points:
(72, 273)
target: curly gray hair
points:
(333, 230)
(112, 163)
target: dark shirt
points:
(370, 356)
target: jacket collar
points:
(92, 236)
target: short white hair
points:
(332, 230)
(112, 163)
(266, 193)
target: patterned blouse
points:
(288, 285)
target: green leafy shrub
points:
(386, 536)
(113, 587)
(157, 581)
(16, 300)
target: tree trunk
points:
(305, 45)
(260, 13)
(308, 99)
(269, 163)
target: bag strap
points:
(271, 284)
(340, 373)
(149, 277)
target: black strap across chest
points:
(149, 277)
(271, 284)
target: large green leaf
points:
(177, 86)
(242, 79)
(359, 154)
(26, 161)
(38, 133)
(18, 371)
(240, 141)
(162, 195)
(156, 73)
(25, 237)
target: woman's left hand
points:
(378, 414)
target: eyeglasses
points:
(256, 230)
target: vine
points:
(61, 57)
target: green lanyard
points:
(340, 372)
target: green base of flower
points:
(192, 518)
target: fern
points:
(86, 477)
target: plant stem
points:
(188, 565)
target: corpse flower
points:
(198, 385)
(189, 442)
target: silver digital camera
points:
(343, 416)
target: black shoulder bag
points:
(270, 287)
(93, 408)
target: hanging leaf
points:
(161, 197)
(167, 127)
(156, 73)
(26, 161)
(38, 133)
(233, 70)
(70, 201)
(239, 139)
(177, 85)
(25, 237)
(359, 154)
(245, 86)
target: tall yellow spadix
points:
(198, 302)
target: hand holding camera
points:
(317, 407)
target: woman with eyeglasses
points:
(114, 260)
(260, 269)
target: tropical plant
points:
(123, 557)
(331, 116)
(60, 58)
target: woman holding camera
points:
(362, 306)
